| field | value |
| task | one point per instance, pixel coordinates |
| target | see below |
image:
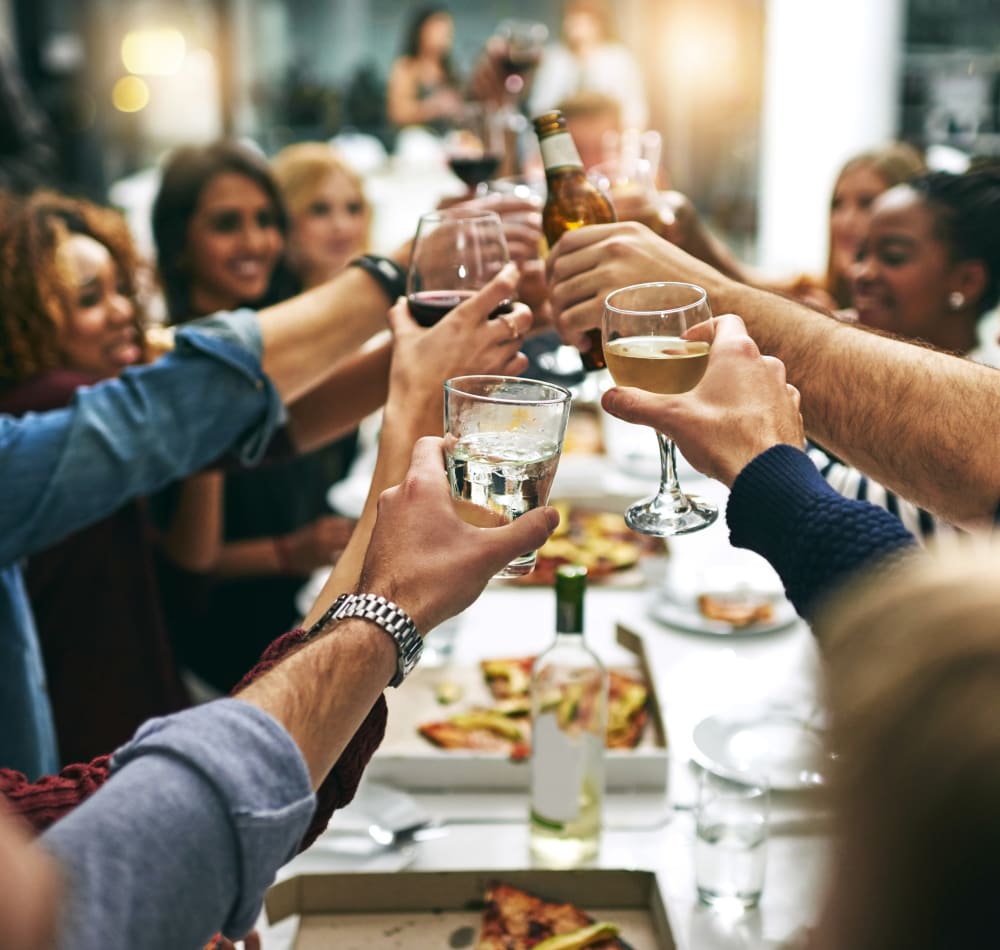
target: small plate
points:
(685, 615)
(780, 743)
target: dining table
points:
(695, 675)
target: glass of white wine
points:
(503, 438)
(645, 331)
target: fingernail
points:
(552, 518)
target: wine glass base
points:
(660, 518)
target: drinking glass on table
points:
(503, 438)
(732, 820)
(455, 253)
(645, 334)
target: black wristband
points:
(385, 272)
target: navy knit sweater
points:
(781, 508)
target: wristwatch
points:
(389, 275)
(389, 616)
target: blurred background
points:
(758, 101)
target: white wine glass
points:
(644, 332)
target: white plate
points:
(685, 615)
(778, 742)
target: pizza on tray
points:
(516, 920)
(599, 540)
(505, 727)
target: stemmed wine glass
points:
(455, 253)
(475, 146)
(645, 333)
(524, 42)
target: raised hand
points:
(587, 264)
(426, 558)
(741, 407)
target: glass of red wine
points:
(524, 41)
(455, 253)
(475, 146)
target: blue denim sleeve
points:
(201, 810)
(129, 436)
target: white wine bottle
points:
(569, 714)
(573, 201)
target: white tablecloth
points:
(695, 675)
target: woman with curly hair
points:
(72, 315)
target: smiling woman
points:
(72, 315)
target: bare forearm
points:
(914, 419)
(193, 538)
(322, 693)
(305, 337)
(401, 428)
(357, 388)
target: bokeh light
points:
(130, 94)
(154, 52)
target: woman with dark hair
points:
(423, 88)
(71, 316)
(239, 545)
(219, 225)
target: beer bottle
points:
(572, 202)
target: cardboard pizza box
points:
(428, 909)
(408, 760)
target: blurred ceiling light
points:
(130, 94)
(153, 52)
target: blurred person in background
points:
(423, 87)
(861, 180)
(27, 154)
(329, 218)
(238, 546)
(590, 58)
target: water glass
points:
(503, 438)
(731, 844)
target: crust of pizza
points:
(739, 611)
(516, 920)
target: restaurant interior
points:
(740, 696)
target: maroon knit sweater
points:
(43, 802)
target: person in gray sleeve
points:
(204, 806)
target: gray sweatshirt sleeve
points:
(201, 810)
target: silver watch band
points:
(389, 616)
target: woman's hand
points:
(464, 342)
(741, 407)
(314, 545)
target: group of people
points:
(165, 494)
(425, 88)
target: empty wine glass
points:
(645, 332)
(455, 253)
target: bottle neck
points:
(559, 151)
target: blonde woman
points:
(328, 215)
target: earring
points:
(956, 300)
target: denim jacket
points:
(120, 439)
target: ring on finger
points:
(508, 320)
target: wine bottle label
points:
(559, 151)
(558, 773)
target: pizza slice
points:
(738, 609)
(480, 730)
(516, 920)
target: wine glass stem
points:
(669, 486)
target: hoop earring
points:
(956, 300)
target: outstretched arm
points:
(906, 415)
(741, 425)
